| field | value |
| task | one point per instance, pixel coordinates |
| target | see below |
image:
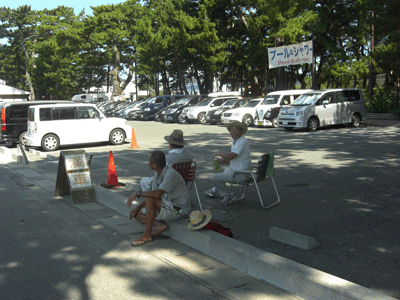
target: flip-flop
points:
(160, 237)
(141, 244)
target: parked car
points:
(14, 119)
(148, 111)
(91, 98)
(324, 107)
(269, 108)
(245, 113)
(198, 112)
(214, 116)
(50, 126)
(173, 111)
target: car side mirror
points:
(325, 102)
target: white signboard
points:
(79, 180)
(290, 55)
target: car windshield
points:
(270, 99)
(228, 103)
(205, 102)
(252, 103)
(182, 101)
(306, 99)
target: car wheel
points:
(202, 118)
(181, 120)
(248, 120)
(288, 128)
(274, 122)
(158, 117)
(117, 137)
(312, 124)
(50, 142)
(21, 138)
(355, 120)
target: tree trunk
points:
(114, 73)
(130, 72)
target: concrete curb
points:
(288, 275)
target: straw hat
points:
(237, 124)
(199, 219)
(176, 138)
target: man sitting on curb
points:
(167, 200)
(239, 159)
(177, 154)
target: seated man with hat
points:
(239, 159)
(176, 154)
(167, 200)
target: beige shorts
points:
(167, 213)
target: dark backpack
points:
(219, 228)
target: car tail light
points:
(3, 119)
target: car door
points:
(95, 127)
(326, 112)
(66, 126)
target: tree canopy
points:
(55, 53)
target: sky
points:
(78, 5)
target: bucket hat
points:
(176, 138)
(237, 124)
(199, 219)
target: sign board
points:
(73, 177)
(290, 55)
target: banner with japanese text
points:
(294, 54)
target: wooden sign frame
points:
(73, 177)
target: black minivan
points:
(14, 119)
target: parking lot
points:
(338, 185)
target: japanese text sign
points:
(290, 55)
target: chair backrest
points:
(265, 167)
(187, 170)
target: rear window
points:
(31, 114)
(19, 111)
(63, 113)
(345, 96)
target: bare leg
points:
(159, 227)
(151, 206)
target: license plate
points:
(284, 122)
(208, 117)
(169, 118)
(260, 123)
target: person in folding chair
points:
(239, 159)
(176, 154)
(166, 200)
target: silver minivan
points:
(323, 108)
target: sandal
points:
(160, 237)
(140, 239)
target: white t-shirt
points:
(177, 156)
(242, 148)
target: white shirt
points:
(178, 155)
(242, 148)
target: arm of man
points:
(226, 157)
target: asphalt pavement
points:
(338, 185)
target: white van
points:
(90, 98)
(268, 110)
(50, 126)
(324, 107)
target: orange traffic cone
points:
(134, 144)
(112, 178)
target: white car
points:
(198, 112)
(52, 125)
(268, 110)
(245, 113)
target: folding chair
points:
(264, 171)
(188, 171)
